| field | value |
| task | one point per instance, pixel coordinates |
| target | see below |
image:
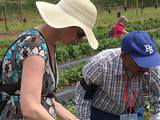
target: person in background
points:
(119, 27)
(29, 69)
(117, 82)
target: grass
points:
(14, 23)
(103, 18)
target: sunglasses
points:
(80, 34)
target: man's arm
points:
(82, 105)
(92, 76)
(155, 87)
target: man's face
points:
(132, 66)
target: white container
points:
(128, 117)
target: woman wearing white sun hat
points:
(29, 65)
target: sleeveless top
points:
(29, 43)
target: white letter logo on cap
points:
(149, 49)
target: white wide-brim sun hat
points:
(67, 13)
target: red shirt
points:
(118, 30)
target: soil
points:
(10, 35)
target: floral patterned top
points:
(29, 43)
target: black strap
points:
(10, 89)
(52, 95)
(90, 89)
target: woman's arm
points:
(31, 87)
(63, 113)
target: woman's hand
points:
(62, 112)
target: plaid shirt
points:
(107, 71)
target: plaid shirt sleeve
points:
(155, 87)
(92, 74)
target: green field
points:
(103, 18)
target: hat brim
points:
(55, 17)
(148, 61)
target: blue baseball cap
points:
(142, 49)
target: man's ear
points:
(123, 56)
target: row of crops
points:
(73, 74)
(77, 51)
(65, 53)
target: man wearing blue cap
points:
(118, 82)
